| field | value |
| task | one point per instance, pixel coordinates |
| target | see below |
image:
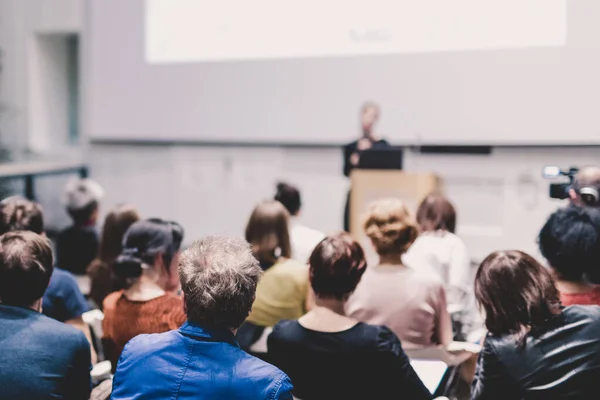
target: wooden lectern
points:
(373, 184)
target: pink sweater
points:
(411, 304)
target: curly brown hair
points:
(390, 226)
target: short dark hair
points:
(516, 292)
(26, 265)
(570, 241)
(20, 214)
(336, 266)
(436, 213)
(289, 196)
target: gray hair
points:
(218, 276)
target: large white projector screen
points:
(205, 30)
(501, 72)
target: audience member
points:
(41, 358)
(331, 356)
(63, 300)
(282, 292)
(77, 245)
(570, 241)
(303, 239)
(202, 359)
(534, 349)
(411, 304)
(100, 271)
(438, 251)
(585, 190)
(149, 303)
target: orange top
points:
(585, 299)
(124, 319)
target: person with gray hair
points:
(218, 278)
(585, 190)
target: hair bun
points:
(128, 266)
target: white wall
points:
(501, 199)
(30, 88)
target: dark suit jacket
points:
(41, 358)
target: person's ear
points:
(572, 194)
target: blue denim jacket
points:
(195, 363)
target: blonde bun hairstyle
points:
(390, 226)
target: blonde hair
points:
(390, 226)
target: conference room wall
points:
(501, 198)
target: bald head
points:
(587, 177)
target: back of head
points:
(390, 226)
(516, 292)
(267, 232)
(20, 214)
(570, 241)
(81, 199)
(336, 266)
(26, 265)
(586, 185)
(116, 223)
(289, 196)
(436, 213)
(143, 242)
(219, 276)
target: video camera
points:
(559, 190)
(589, 195)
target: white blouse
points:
(444, 255)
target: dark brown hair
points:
(26, 265)
(103, 279)
(289, 196)
(436, 213)
(336, 266)
(116, 223)
(20, 214)
(267, 232)
(390, 226)
(517, 293)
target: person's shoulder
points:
(385, 341)
(63, 277)
(291, 266)
(110, 301)
(145, 345)
(286, 330)
(66, 232)
(576, 313)
(61, 280)
(52, 329)
(426, 280)
(258, 374)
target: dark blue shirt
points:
(63, 300)
(195, 363)
(41, 358)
